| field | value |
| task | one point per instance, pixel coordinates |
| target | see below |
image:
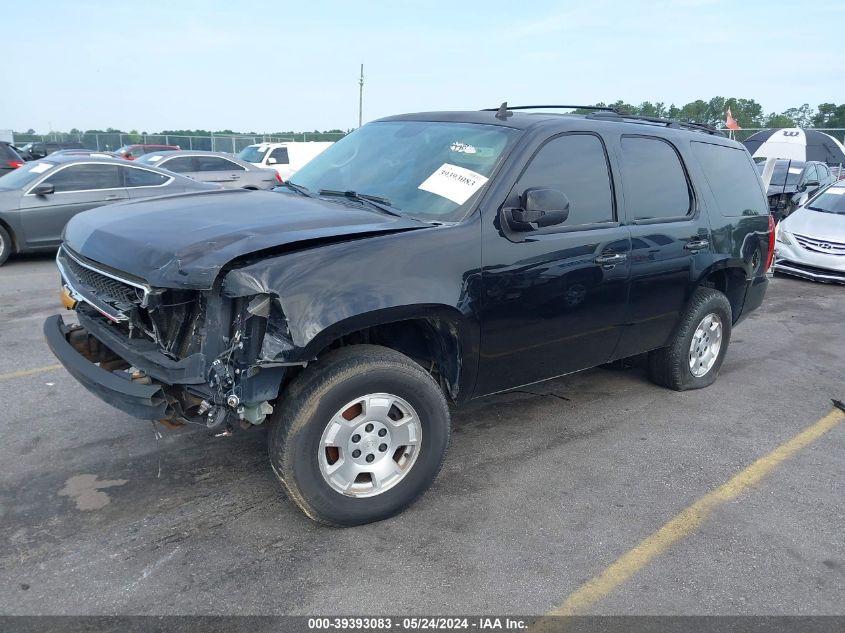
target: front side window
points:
(431, 170)
(575, 164)
(653, 180)
(142, 177)
(732, 179)
(280, 155)
(810, 174)
(85, 177)
(253, 153)
(215, 163)
(180, 164)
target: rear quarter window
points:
(732, 179)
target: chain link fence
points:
(231, 143)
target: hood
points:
(816, 224)
(183, 241)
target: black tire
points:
(5, 245)
(670, 366)
(317, 394)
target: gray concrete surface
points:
(539, 492)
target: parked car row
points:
(793, 182)
(223, 169)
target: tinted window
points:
(576, 165)
(180, 164)
(7, 153)
(732, 179)
(831, 200)
(215, 163)
(281, 155)
(810, 174)
(823, 172)
(142, 177)
(84, 177)
(653, 180)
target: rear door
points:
(554, 299)
(670, 239)
(77, 187)
(218, 170)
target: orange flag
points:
(730, 122)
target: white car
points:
(285, 158)
(810, 243)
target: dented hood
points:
(183, 241)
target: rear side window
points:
(732, 179)
(7, 153)
(142, 178)
(85, 177)
(180, 164)
(281, 155)
(575, 164)
(653, 180)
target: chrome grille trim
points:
(820, 246)
(143, 287)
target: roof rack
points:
(609, 113)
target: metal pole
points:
(97, 136)
(233, 145)
(190, 142)
(361, 97)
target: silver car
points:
(38, 199)
(216, 167)
(810, 243)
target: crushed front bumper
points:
(141, 401)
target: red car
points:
(131, 152)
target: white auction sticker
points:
(40, 168)
(453, 183)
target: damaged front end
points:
(173, 355)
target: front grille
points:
(117, 293)
(815, 270)
(820, 246)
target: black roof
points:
(601, 119)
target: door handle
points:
(610, 259)
(113, 196)
(696, 245)
(234, 177)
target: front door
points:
(77, 187)
(554, 299)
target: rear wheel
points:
(5, 245)
(696, 351)
(361, 434)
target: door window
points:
(653, 180)
(810, 174)
(575, 164)
(180, 164)
(281, 155)
(85, 177)
(142, 177)
(216, 163)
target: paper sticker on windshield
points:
(40, 168)
(462, 148)
(794, 170)
(453, 183)
(836, 191)
(153, 159)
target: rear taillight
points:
(771, 256)
(14, 164)
(279, 178)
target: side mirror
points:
(271, 161)
(45, 188)
(539, 208)
(810, 184)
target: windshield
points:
(423, 169)
(831, 200)
(786, 173)
(253, 153)
(22, 176)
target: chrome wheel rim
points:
(705, 345)
(370, 445)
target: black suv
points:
(423, 259)
(37, 150)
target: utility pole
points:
(361, 97)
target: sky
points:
(273, 65)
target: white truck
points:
(286, 158)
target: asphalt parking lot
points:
(542, 490)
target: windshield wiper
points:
(303, 191)
(377, 202)
(817, 209)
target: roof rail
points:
(609, 113)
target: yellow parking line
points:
(28, 372)
(689, 520)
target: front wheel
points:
(5, 245)
(696, 350)
(361, 434)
